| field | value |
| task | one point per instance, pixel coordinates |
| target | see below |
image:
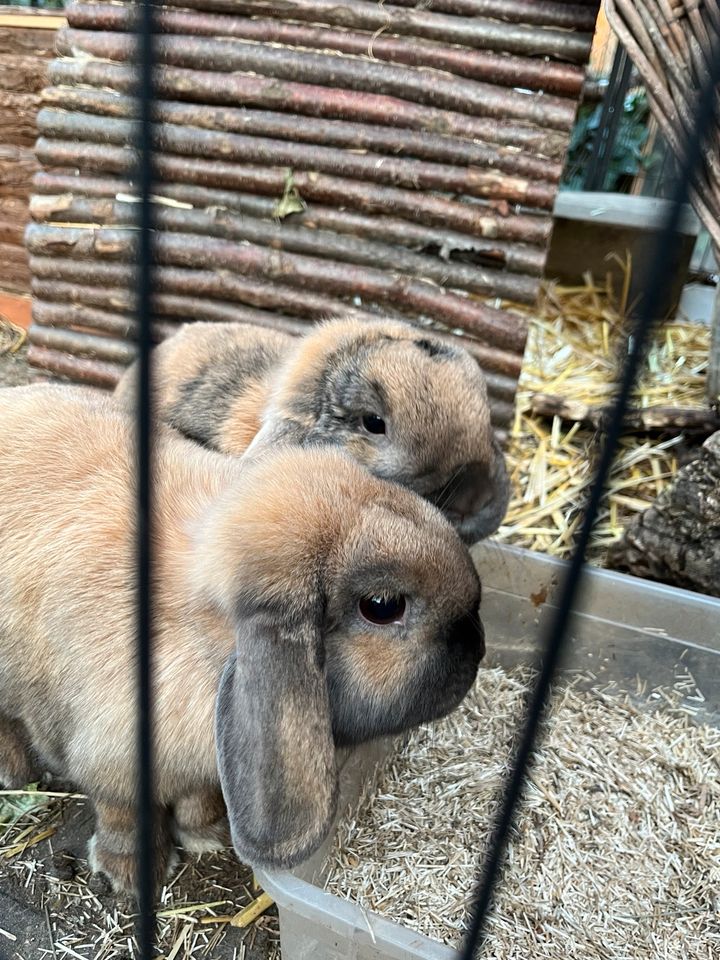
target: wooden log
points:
(15, 277)
(360, 15)
(370, 198)
(93, 373)
(13, 220)
(434, 89)
(542, 14)
(504, 69)
(241, 291)
(89, 345)
(327, 133)
(577, 16)
(55, 194)
(18, 116)
(677, 539)
(216, 144)
(657, 419)
(17, 168)
(450, 246)
(117, 304)
(65, 316)
(494, 327)
(298, 239)
(194, 284)
(310, 100)
(21, 74)
(223, 286)
(47, 182)
(27, 42)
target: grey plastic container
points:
(623, 628)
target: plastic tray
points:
(622, 629)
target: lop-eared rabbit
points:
(406, 405)
(301, 604)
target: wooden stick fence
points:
(332, 158)
(671, 43)
(26, 47)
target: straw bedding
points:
(574, 341)
(53, 908)
(617, 854)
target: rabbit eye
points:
(382, 610)
(373, 423)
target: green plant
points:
(38, 4)
(627, 158)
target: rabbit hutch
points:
(412, 161)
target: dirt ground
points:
(52, 906)
(14, 369)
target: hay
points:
(12, 337)
(572, 351)
(618, 849)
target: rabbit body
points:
(404, 404)
(263, 660)
(212, 381)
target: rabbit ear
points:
(274, 741)
(273, 433)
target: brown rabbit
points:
(407, 406)
(300, 604)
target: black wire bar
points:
(145, 179)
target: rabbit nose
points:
(467, 635)
(473, 491)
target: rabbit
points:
(406, 405)
(300, 605)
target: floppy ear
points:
(274, 741)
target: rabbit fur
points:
(264, 661)
(225, 384)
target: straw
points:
(12, 337)
(573, 342)
(197, 907)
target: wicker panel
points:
(333, 158)
(670, 43)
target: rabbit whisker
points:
(448, 489)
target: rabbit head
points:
(356, 616)
(409, 407)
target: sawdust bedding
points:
(617, 854)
